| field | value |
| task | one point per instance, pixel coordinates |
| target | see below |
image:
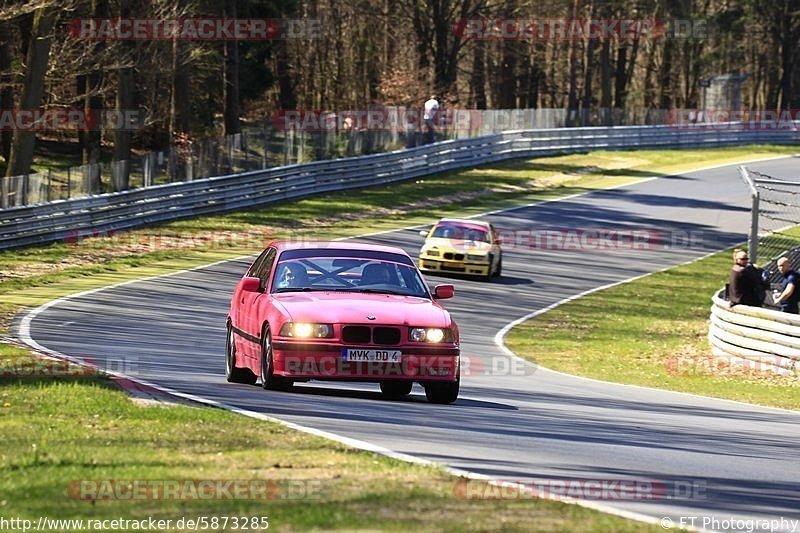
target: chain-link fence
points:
(775, 221)
(286, 139)
(298, 137)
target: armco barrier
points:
(768, 338)
(59, 220)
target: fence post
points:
(49, 183)
(264, 144)
(190, 161)
(25, 185)
(147, 163)
(752, 240)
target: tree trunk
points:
(231, 78)
(287, 96)
(665, 100)
(605, 83)
(507, 89)
(477, 81)
(180, 101)
(93, 107)
(788, 44)
(6, 87)
(24, 142)
(588, 73)
(125, 101)
(572, 91)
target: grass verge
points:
(64, 429)
(608, 335)
(74, 447)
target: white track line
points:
(24, 333)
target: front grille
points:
(359, 334)
(386, 335)
(454, 257)
(453, 268)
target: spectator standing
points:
(745, 281)
(430, 111)
(788, 296)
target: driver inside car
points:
(292, 276)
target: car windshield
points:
(462, 233)
(348, 274)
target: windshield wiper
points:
(314, 289)
(386, 291)
(298, 289)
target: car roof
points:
(336, 245)
(465, 222)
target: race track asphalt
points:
(707, 458)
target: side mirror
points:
(250, 284)
(423, 232)
(442, 292)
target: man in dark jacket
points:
(745, 284)
(788, 295)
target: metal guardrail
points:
(758, 337)
(64, 219)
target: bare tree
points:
(231, 77)
(6, 84)
(38, 52)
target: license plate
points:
(359, 355)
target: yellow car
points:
(459, 246)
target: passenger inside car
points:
(375, 274)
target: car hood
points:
(457, 245)
(354, 308)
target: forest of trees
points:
(360, 53)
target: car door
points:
(253, 303)
(242, 303)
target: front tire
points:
(269, 381)
(233, 373)
(394, 390)
(443, 393)
(489, 274)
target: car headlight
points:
(430, 335)
(305, 330)
(432, 253)
(477, 257)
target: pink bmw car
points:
(342, 311)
